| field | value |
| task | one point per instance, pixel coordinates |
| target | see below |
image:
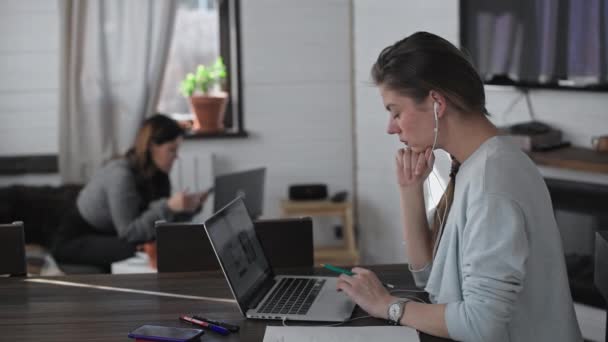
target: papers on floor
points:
(335, 334)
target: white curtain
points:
(113, 54)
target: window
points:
(204, 30)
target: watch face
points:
(394, 311)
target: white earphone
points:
(436, 133)
(436, 129)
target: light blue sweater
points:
(500, 265)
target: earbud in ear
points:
(435, 104)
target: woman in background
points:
(493, 264)
(117, 209)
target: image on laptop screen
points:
(249, 185)
(239, 249)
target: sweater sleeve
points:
(494, 253)
(124, 201)
(421, 275)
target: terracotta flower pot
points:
(209, 112)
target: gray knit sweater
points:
(500, 264)
(110, 202)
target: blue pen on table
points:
(230, 327)
(204, 324)
(349, 273)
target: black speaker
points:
(307, 192)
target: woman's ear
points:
(439, 102)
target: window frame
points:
(230, 49)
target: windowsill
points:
(190, 135)
(29, 164)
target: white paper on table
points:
(336, 334)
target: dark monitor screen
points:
(248, 185)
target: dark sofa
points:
(39, 207)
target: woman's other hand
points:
(202, 196)
(413, 167)
(185, 202)
(365, 289)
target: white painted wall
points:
(580, 115)
(378, 24)
(29, 64)
(297, 100)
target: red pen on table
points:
(203, 324)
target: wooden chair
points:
(12, 249)
(185, 247)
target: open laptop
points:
(258, 291)
(247, 184)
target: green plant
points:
(204, 79)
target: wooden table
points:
(32, 311)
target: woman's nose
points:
(392, 128)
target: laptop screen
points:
(238, 250)
(247, 184)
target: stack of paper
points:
(335, 334)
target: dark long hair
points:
(151, 182)
(423, 62)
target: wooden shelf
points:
(336, 256)
(347, 254)
(573, 158)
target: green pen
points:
(349, 273)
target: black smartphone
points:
(160, 333)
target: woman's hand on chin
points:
(413, 167)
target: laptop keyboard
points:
(292, 296)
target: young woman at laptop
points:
(117, 209)
(493, 264)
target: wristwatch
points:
(396, 311)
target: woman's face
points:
(165, 154)
(413, 123)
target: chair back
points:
(12, 249)
(185, 247)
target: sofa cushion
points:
(41, 208)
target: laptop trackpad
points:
(331, 304)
